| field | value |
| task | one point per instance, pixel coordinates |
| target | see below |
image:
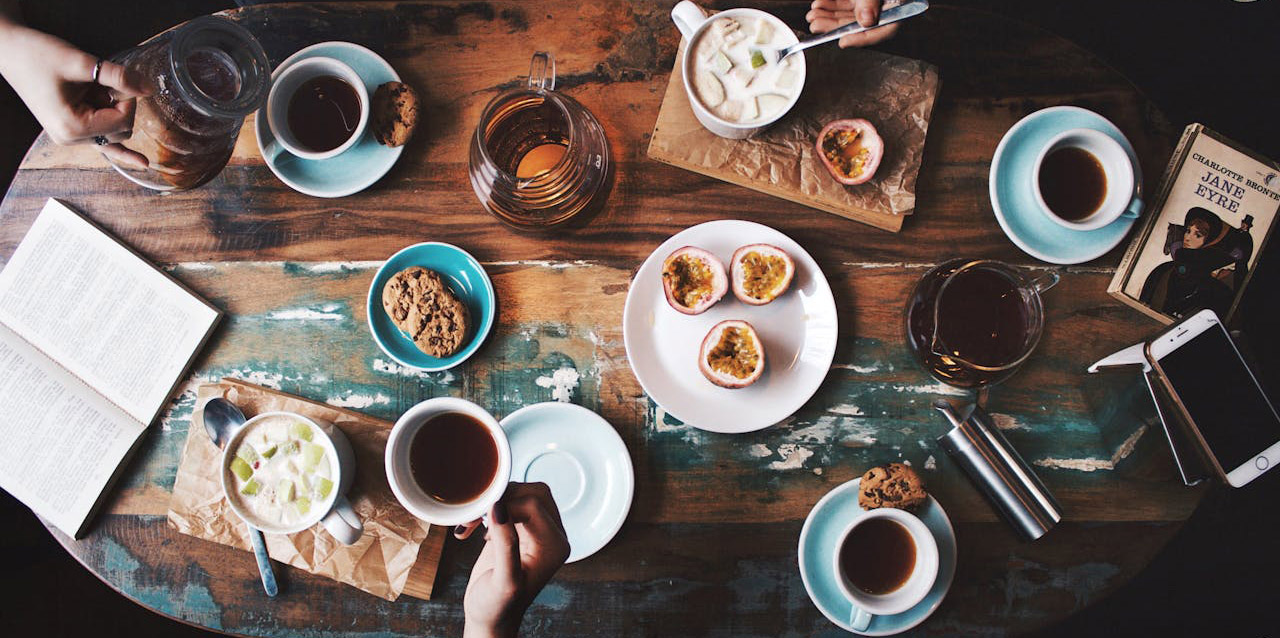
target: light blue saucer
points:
(1014, 201)
(465, 276)
(358, 167)
(584, 462)
(818, 540)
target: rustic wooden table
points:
(710, 545)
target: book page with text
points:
(63, 443)
(102, 312)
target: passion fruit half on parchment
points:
(851, 150)
(732, 355)
(760, 273)
(693, 280)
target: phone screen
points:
(1222, 398)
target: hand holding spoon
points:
(889, 16)
(221, 421)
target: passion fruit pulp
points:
(761, 273)
(851, 150)
(693, 280)
(732, 355)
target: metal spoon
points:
(221, 420)
(894, 14)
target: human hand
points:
(526, 546)
(54, 79)
(825, 15)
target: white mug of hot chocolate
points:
(731, 94)
(283, 472)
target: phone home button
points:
(1261, 462)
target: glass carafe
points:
(204, 77)
(973, 322)
(539, 158)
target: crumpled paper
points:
(395, 544)
(894, 93)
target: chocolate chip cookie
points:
(893, 485)
(394, 113)
(421, 304)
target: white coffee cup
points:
(693, 22)
(335, 513)
(406, 489)
(285, 83)
(1120, 199)
(923, 573)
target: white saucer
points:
(799, 332)
(584, 462)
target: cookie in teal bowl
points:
(464, 275)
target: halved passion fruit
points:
(851, 150)
(761, 273)
(732, 355)
(693, 280)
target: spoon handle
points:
(888, 16)
(264, 562)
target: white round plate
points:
(584, 462)
(799, 332)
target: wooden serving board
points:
(895, 93)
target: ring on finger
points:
(97, 69)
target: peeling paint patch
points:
(793, 457)
(192, 266)
(759, 450)
(1094, 464)
(847, 410)
(326, 312)
(930, 388)
(331, 267)
(358, 401)
(444, 377)
(1008, 422)
(562, 382)
(931, 463)
(544, 263)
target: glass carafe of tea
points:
(971, 323)
(203, 77)
(539, 158)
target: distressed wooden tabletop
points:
(709, 547)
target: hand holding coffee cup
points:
(317, 109)
(886, 562)
(1084, 180)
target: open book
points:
(93, 340)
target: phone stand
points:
(1185, 457)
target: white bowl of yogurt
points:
(733, 86)
(283, 472)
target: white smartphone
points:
(1225, 405)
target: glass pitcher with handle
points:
(973, 322)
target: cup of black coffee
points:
(1083, 180)
(317, 109)
(448, 461)
(886, 562)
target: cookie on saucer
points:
(421, 304)
(894, 485)
(394, 113)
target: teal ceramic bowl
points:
(468, 280)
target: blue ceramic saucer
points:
(584, 462)
(359, 166)
(1014, 201)
(818, 541)
(465, 276)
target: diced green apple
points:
(251, 487)
(303, 504)
(301, 430)
(246, 452)
(285, 492)
(323, 487)
(311, 455)
(270, 452)
(241, 469)
(721, 63)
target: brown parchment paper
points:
(394, 545)
(895, 94)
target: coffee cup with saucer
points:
(921, 567)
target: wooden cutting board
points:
(895, 93)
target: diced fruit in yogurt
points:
(303, 504)
(286, 491)
(750, 109)
(246, 452)
(251, 487)
(270, 452)
(726, 25)
(301, 430)
(721, 63)
(289, 447)
(735, 37)
(709, 89)
(241, 469)
(744, 75)
(311, 455)
(323, 487)
(764, 32)
(787, 79)
(770, 103)
(731, 110)
(757, 60)
(709, 45)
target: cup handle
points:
(860, 619)
(1134, 209)
(1046, 281)
(688, 17)
(272, 151)
(342, 522)
(542, 72)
